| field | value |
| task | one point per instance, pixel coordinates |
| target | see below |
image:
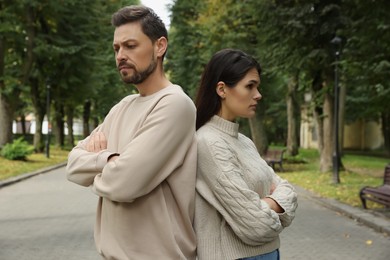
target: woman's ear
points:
(161, 46)
(220, 89)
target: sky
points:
(159, 7)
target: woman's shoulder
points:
(213, 140)
(207, 134)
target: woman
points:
(241, 204)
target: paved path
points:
(319, 233)
(47, 218)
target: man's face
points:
(134, 53)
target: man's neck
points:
(154, 83)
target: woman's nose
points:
(257, 96)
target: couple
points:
(166, 191)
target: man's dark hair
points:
(152, 26)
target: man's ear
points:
(220, 89)
(161, 46)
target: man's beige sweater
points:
(231, 220)
(146, 204)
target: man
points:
(141, 161)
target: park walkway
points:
(47, 218)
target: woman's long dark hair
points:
(229, 66)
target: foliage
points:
(185, 56)
(366, 61)
(66, 46)
(19, 149)
(34, 162)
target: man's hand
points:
(96, 142)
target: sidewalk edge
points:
(378, 223)
(24, 176)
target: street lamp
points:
(48, 119)
(336, 42)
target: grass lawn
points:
(360, 171)
(34, 162)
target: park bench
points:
(273, 157)
(379, 194)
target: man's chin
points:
(131, 80)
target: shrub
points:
(19, 149)
(295, 159)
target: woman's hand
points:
(273, 205)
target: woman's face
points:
(240, 101)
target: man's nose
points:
(120, 55)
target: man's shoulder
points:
(174, 95)
(175, 90)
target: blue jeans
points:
(274, 255)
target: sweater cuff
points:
(102, 159)
(273, 198)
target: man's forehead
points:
(129, 31)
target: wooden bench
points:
(273, 157)
(379, 194)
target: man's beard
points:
(139, 77)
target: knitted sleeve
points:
(251, 219)
(285, 195)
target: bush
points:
(19, 149)
(295, 159)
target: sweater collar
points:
(225, 126)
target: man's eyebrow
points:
(126, 40)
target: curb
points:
(21, 177)
(374, 220)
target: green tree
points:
(366, 63)
(184, 59)
(16, 61)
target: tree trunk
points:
(23, 123)
(6, 117)
(59, 124)
(386, 129)
(343, 98)
(259, 135)
(292, 116)
(39, 105)
(69, 121)
(6, 111)
(86, 116)
(39, 144)
(327, 151)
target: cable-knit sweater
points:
(231, 219)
